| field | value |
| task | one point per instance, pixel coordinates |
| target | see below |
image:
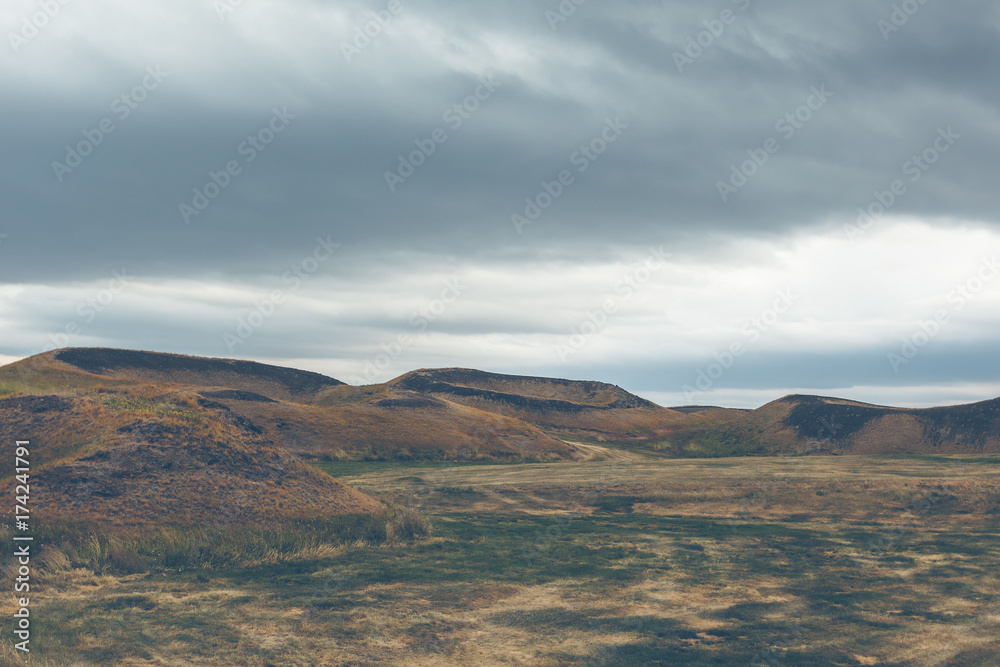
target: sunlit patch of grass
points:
(775, 581)
(140, 406)
(181, 548)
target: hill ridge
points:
(187, 369)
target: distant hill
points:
(519, 391)
(800, 424)
(443, 414)
(387, 423)
(275, 382)
(692, 409)
(572, 408)
(299, 412)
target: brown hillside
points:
(140, 458)
(814, 424)
(447, 414)
(572, 408)
(524, 391)
(274, 382)
(380, 423)
(296, 411)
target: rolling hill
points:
(800, 424)
(275, 382)
(570, 408)
(151, 458)
(299, 412)
(125, 405)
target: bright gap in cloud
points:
(566, 318)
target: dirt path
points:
(605, 453)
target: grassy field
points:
(755, 561)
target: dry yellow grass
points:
(814, 561)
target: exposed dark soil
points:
(234, 395)
(105, 361)
(36, 404)
(453, 381)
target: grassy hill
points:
(800, 424)
(275, 382)
(298, 412)
(175, 513)
(142, 457)
(569, 408)
(452, 414)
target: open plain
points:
(849, 560)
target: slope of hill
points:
(813, 424)
(382, 423)
(452, 413)
(303, 413)
(275, 382)
(136, 457)
(572, 408)
(533, 393)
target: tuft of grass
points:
(141, 406)
(219, 546)
(459, 491)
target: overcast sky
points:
(662, 195)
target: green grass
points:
(22, 380)
(622, 585)
(217, 546)
(139, 405)
(351, 468)
(935, 458)
(592, 556)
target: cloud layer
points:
(534, 155)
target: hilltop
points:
(299, 412)
(275, 382)
(457, 414)
(569, 408)
(801, 424)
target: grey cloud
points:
(686, 129)
(324, 175)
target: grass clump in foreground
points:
(218, 546)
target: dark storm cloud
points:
(840, 100)
(325, 173)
